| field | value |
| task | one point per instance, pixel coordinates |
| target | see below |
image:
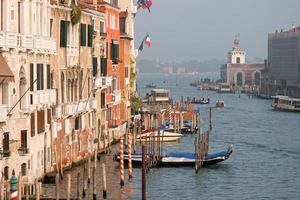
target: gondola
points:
(180, 159)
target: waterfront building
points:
(26, 46)
(239, 74)
(284, 62)
(66, 75)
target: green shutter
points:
(90, 35)
(116, 51)
(83, 35)
(95, 65)
(111, 51)
(63, 33)
(31, 76)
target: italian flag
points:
(148, 41)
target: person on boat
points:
(208, 100)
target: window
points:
(103, 66)
(6, 142)
(31, 76)
(1, 15)
(23, 169)
(62, 85)
(6, 173)
(41, 121)
(48, 77)
(90, 35)
(102, 28)
(78, 123)
(32, 124)
(63, 33)
(82, 34)
(122, 25)
(95, 65)
(113, 22)
(40, 76)
(49, 116)
(51, 26)
(114, 51)
(126, 72)
(102, 99)
(24, 139)
(238, 60)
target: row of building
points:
(67, 72)
(279, 74)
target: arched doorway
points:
(239, 79)
(256, 78)
(22, 88)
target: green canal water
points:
(265, 163)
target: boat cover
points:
(192, 155)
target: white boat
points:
(286, 103)
(165, 136)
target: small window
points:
(23, 169)
(238, 60)
(78, 123)
(63, 33)
(83, 34)
(6, 173)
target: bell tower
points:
(236, 55)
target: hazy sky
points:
(205, 29)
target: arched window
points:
(239, 79)
(238, 60)
(22, 88)
(257, 78)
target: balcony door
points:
(23, 102)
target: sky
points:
(182, 30)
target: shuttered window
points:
(90, 35)
(31, 76)
(114, 52)
(32, 125)
(24, 139)
(41, 121)
(95, 65)
(82, 34)
(48, 77)
(103, 66)
(78, 123)
(6, 142)
(49, 116)
(102, 28)
(40, 76)
(63, 33)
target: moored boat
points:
(181, 159)
(164, 136)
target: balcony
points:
(103, 34)
(4, 153)
(23, 151)
(74, 108)
(127, 81)
(103, 82)
(116, 96)
(3, 113)
(42, 98)
(9, 40)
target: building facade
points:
(65, 81)
(284, 62)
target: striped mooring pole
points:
(13, 187)
(129, 156)
(122, 162)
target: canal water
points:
(265, 163)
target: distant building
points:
(237, 72)
(284, 61)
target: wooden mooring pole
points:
(104, 181)
(57, 186)
(78, 185)
(94, 176)
(143, 172)
(210, 125)
(69, 187)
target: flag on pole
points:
(147, 41)
(144, 4)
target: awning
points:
(6, 74)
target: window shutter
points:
(48, 77)
(116, 51)
(63, 33)
(32, 125)
(95, 64)
(90, 35)
(83, 35)
(103, 66)
(111, 51)
(42, 76)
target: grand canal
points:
(264, 165)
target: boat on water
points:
(285, 103)
(164, 136)
(220, 104)
(224, 88)
(150, 85)
(198, 101)
(181, 159)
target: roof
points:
(254, 65)
(285, 98)
(6, 74)
(159, 90)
